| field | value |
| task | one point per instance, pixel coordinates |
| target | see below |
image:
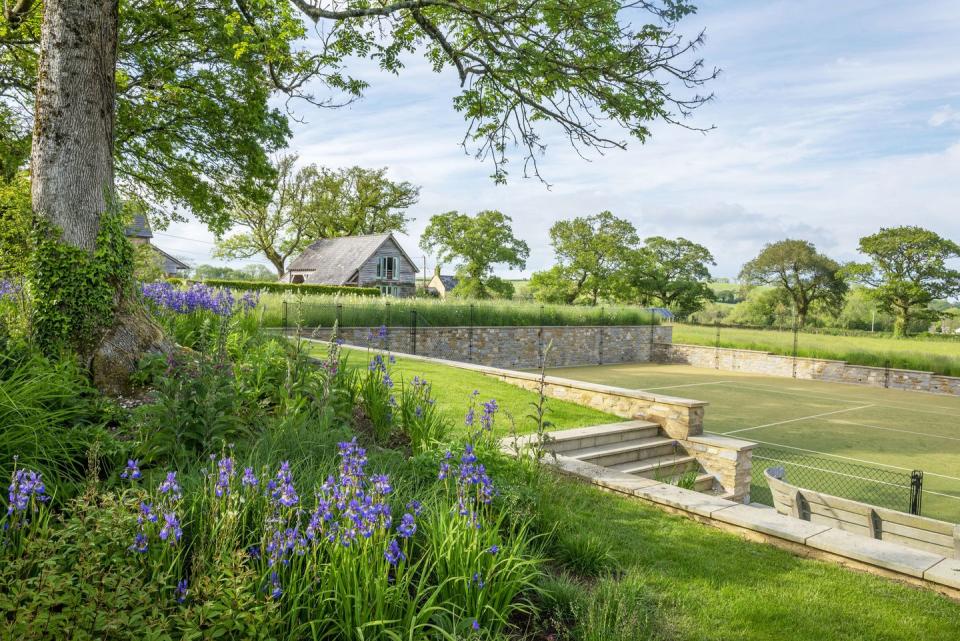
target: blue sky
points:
(832, 119)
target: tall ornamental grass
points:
(322, 311)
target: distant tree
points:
(589, 251)
(907, 271)
(673, 273)
(253, 271)
(147, 264)
(307, 204)
(796, 267)
(356, 201)
(16, 221)
(553, 285)
(476, 244)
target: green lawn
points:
(698, 583)
(452, 388)
(937, 355)
(703, 584)
(891, 429)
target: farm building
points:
(138, 232)
(441, 285)
(375, 260)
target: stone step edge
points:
(890, 560)
(620, 447)
(653, 464)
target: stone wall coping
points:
(726, 442)
(811, 359)
(419, 327)
(890, 559)
(550, 380)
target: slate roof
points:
(139, 228)
(334, 260)
(662, 312)
(449, 282)
(170, 263)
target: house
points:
(662, 312)
(138, 232)
(441, 285)
(374, 260)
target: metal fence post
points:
(600, 342)
(886, 373)
(540, 340)
(387, 323)
(716, 349)
(339, 315)
(470, 344)
(796, 340)
(284, 316)
(413, 331)
(916, 491)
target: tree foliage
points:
(308, 203)
(16, 222)
(797, 268)
(907, 271)
(672, 273)
(589, 251)
(476, 244)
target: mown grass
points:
(623, 570)
(452, 388)
(321, 311)
(941, 356)
(678, 579)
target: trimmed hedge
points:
(278, 288)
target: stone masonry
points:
(516, 347)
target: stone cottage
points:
(138, 232)
(375, 260)
(440, 284)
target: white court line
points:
(893, 429)
(802, 418)
(771, 388)
(650, 389)
(847, 458)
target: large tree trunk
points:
(72, 157)
(72, 166)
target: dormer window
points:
(387, 267)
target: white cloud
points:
(945, 115)
(824, 131)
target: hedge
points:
(277, 287)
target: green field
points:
(887, 429)
(940, 355)
(322, 311)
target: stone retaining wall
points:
(517, 347)
(817, 369)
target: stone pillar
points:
(729, 459)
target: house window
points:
(298, 279)
(387, 267)
(389, 290)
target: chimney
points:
(436, 271)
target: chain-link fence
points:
(869, 484)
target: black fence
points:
(869, 484)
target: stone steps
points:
(625, 452)
(569, 440)
(632, 447)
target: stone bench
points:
(918, 532)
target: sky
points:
(831, 119)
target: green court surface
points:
(884, 429)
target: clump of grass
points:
(325, 311)
(582, 553)
(616, 610)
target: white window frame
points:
(387, 267)
(389, 290)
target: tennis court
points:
(885, 429)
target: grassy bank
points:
(941, 356)
(321, 311)
(452, 388)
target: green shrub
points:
(420, 420)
